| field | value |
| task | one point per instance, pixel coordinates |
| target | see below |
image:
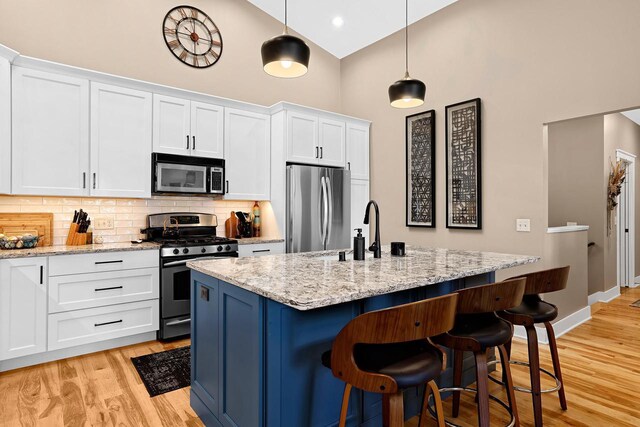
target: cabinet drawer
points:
(78, 291)
(261, 249)
(99, 324)
(105, 261)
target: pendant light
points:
(285, 55)
(408, 92)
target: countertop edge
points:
(258, 241)
(76, 250)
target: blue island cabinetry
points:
(256, 362)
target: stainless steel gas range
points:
(184, 237)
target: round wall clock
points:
(192, 36)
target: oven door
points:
(180, 178)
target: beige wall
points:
(576, 187)
(124, 37)
(531, 63)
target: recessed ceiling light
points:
(338, 21)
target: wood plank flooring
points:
(600, 359)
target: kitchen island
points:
(260, 326)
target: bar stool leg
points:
(553, 347)
(511, 393)
(385, 410)
(534, 373)
(507, 347)
(438, 402)
(458, 357)
(396, 409)
(345, 405)
(482, 384)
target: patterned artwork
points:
(463, 165)
(420, 203)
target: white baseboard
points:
(560, 328)
(36, 359)
(604, 296)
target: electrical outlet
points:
(103, 223)
(523, 225)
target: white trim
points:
(560, 328)
(8, 53)
(567, 229)
(36, 359)
(628, 204)
(604, 296)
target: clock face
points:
(192, 36)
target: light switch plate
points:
(103, 223)
(523, 225)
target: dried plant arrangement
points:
(616, 178)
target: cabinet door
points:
(332, 146)
(121, 123)
(207, 124)
(247, 151)
(171, 125)
(302, 138)
(359, 200)
(50, 134)
(5, 126)
(358, 151)
(23, 307)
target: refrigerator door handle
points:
(323, 212)
(292, 192)
(329, 210)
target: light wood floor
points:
(600, 359)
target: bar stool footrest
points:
(525, 389)
(432, 411)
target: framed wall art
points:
(420, 135)
(463, 163)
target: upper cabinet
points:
(120, 142)
(313, 139)
(187, 127)
(5, 126)
(247, 147)
(358, 150)
(50, 140)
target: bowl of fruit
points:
(25, 241)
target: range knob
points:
(228, 248)
(176, 251)
(203, 250)
(185, 251)
(219, 248)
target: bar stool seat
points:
(532, 306)
(486, 329)
(410, 364)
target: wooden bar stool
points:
(387, 351)
(533, 310)
(476, 329)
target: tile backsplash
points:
(129, 215)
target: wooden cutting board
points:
(15, 224)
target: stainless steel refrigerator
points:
(318, 208)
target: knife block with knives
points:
(78, 230)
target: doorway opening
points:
(625, 220)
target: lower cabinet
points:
(23, 307)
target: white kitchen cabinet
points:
(207, 125)
(260, 249)
(315, 140)
(50, 145)
(121, 125)
(5, 126)
(23, 307)
(187, 128)
(247, 148)
(302, 138)
(332, 142)
(359, 200)
(358, 151)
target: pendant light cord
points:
(286, 31)
(406, 38)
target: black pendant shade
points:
(407, 93)
(285, 56)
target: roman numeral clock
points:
(192, 36)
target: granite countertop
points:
(258, 240)
(70, 250)
(312, 280)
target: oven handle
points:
(185, 261)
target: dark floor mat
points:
(166, 371)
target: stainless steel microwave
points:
(186, 175)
